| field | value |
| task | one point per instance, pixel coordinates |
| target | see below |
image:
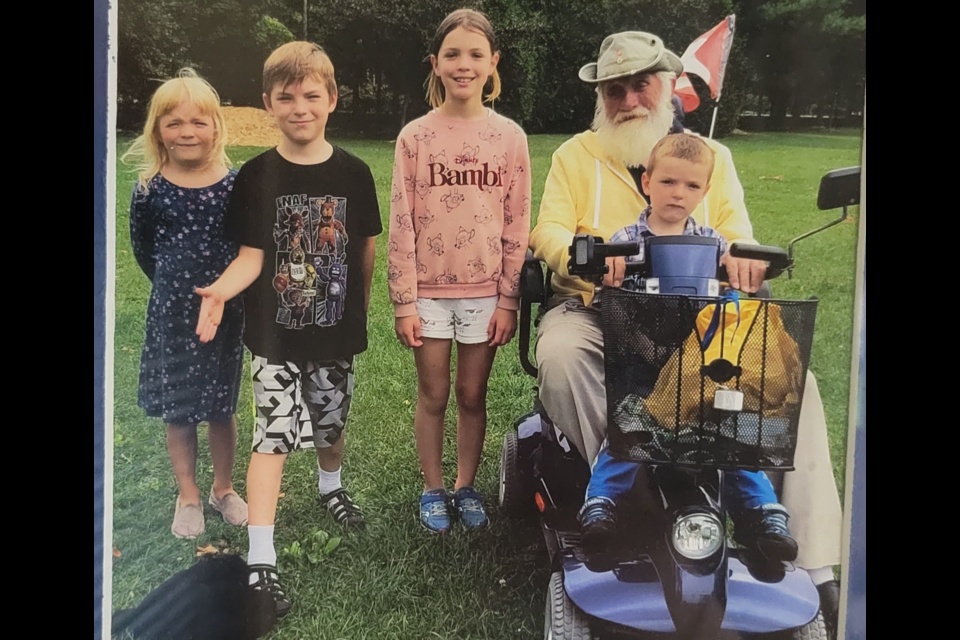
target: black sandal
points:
(343, 509)
(269, 580)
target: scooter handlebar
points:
(776, 256)
(588, 255)
(778, 259)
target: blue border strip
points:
(856, 627)
(100, 37)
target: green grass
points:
(393, 581)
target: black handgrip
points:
(588, 255)
(625, 249)
(776, 256)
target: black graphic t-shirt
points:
(310, 222)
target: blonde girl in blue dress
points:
(176, 229)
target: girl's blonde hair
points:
(148, 152)
(473, 21)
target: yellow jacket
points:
(587, 192)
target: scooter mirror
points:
(839, 188)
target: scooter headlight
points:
(697, 536)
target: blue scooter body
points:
(682, 265)
(659, 591)
(634, 595)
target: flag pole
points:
(713, 120)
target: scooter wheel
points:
(816, 629)
(563, 620)
(513, 498)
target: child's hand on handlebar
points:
(744, 275)
(408, 331)
(616, 269)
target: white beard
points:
(632, 141)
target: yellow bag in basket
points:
(741, 341)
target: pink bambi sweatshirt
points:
(459, 211)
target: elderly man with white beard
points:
(593, 187)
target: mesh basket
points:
(664, 368)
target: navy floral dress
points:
(178, 240)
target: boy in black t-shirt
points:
(305, 214)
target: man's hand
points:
(744, 275)
(616, 268)
(408, 331)
(211, 312)
(502, 326)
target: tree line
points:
(790, 58)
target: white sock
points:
(821, 574)
(329, 481)
(261, 547)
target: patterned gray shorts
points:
(300, 405)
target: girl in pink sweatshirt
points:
(459, 223)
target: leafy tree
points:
(270, 33)
(226, 41)
(150, 47)
(799, 55)
(806, 53)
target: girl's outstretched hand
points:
(408, 331)
(211, 313)
(502, 326)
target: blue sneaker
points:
(469, 505)
(765, 530)
(434, 512)
(598, 524)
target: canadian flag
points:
(706, 57)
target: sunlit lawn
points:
(393, 580)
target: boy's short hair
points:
(685, 147)
(292, 62)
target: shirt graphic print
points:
(310, 272)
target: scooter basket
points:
(676, 367)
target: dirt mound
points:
(249, 126)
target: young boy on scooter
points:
(675, 181)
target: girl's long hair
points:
(474, 21)
(147, 151)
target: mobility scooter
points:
(697, 384)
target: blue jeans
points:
(742, 490)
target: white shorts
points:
(462, 319)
